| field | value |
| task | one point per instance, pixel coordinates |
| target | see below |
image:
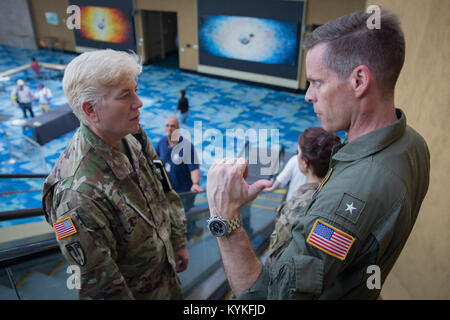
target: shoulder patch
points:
(77, 253)
(64, 228)
(350, 207)
(331, 240)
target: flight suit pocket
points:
(282, 280)
(308, 276)
(297, 278)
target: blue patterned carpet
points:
(215, 106)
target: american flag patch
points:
(330, 239)
(64, 228)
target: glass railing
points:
(36, 269)
(20, 199)
(32, 267)
(38, 273)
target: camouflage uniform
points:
(286, 215)
(127, 227)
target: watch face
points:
(217, 228)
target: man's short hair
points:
(89, 76)
(351, 43)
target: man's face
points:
(331, 96)
(119, 113)
(170, 127)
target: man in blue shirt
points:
(180, 161)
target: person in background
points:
(44, 96)
(35, 65)
(290, 175)
(24, 98)
(181, 164)
(314, 152)
(183, 107)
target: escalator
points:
(32, 266)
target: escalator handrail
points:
(22, 253)
(21, 213)
(23, 175)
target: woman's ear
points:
(89, 111)
(360, 80)
(303, 164)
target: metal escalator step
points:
(254, 205)
(270, 199)
(7, 293)
(24, 279)
(39, 286)
(57, 268)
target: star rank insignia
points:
(350, 207)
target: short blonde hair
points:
(89, 76)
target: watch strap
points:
(233, 224)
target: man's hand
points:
(181, 259)
(197, 188)
(226, 188)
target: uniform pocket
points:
(308, 275)
(282, 280)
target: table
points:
(53, 124)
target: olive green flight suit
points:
(372, 195)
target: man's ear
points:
(360, 80)
(89, 111)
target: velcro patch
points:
(350, 207)
(330, 240)
(64, 228)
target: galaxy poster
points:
(250, 39)
(257, 36)
(105, 24)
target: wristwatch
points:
(220, 227)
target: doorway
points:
(160, 38)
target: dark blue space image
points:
(250, 39)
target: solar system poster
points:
(105, 24)
(258, 36)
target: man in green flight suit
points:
(107, 198)
(363, 211)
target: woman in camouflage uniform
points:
(314, 151)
